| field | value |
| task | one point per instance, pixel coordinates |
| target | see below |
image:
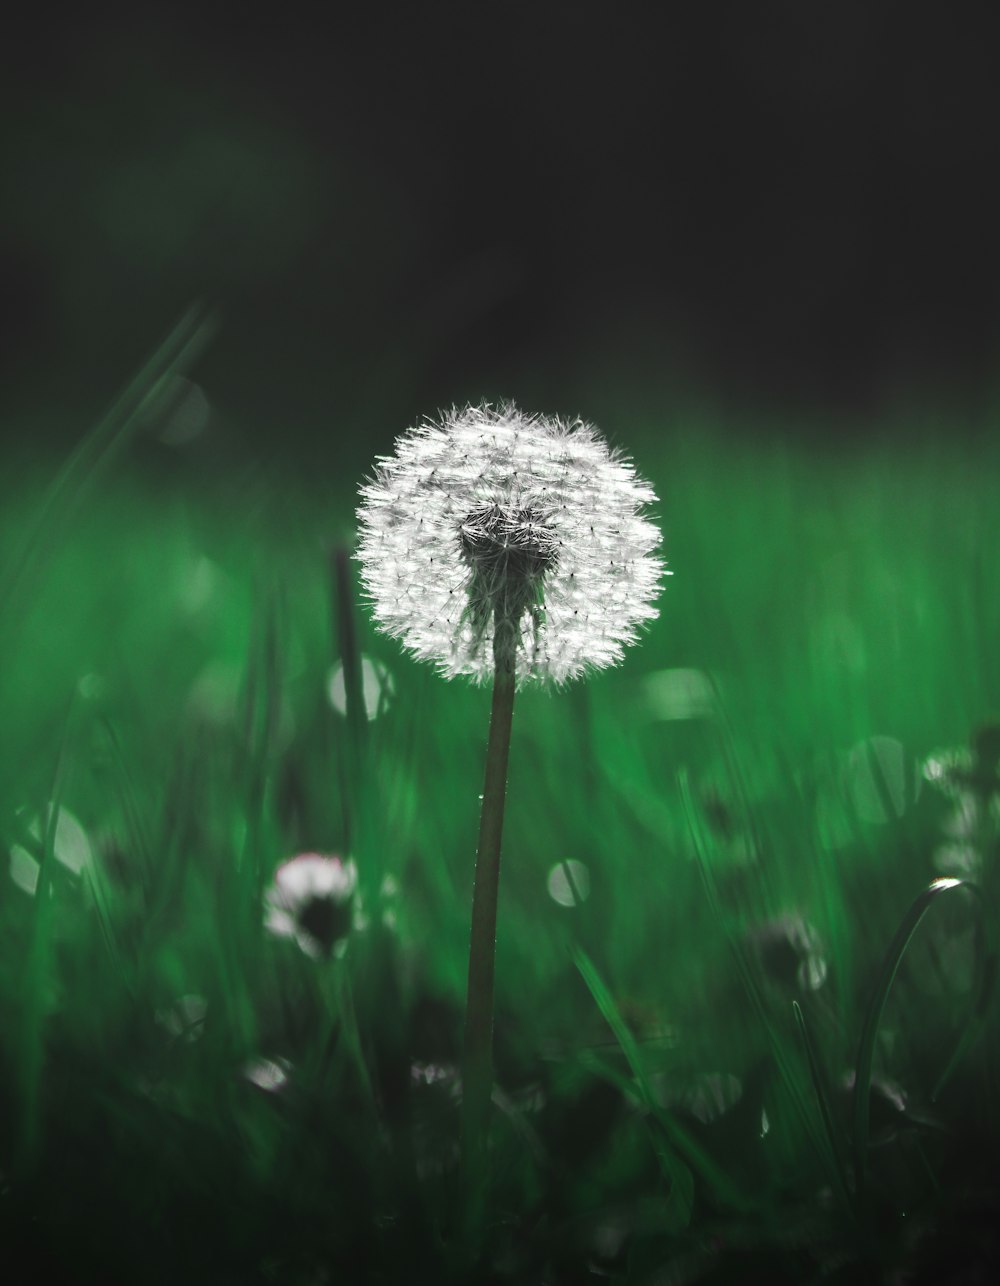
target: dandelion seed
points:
(311, 900)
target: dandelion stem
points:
(477, 1059)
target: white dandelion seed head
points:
(310, 900)
(490, 519)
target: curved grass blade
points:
(887, 973)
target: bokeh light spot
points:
(882, 781)
(71, 848)
(377, 687)
(91, 687)
(24, 870)
(268, 1074)
(181, 413)
(214, 695)
(679, 694)
(571, 886)
(199, 585)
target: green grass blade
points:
(37, 969)
(98, 448)
(822, 1102)
(694, 1155)
(360, 809)
(973, 1030)
(789, 1073)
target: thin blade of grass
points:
(819, 1088)
(96, 883)
(345, 626)
(138, 831)
(974, 1028)
(788, 1071)
(261, 726)
(97, 449)
(674, 1168)
(356, 783)
(695, 1155)
(36, 973)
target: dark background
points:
(785, 208)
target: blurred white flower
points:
(790, 952)
(269, 1074)
(491, 518)
(311, 900)
(949, 771)
(968, 776)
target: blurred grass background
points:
(170, 686)
(759, 253)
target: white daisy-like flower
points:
(311, 900)
(493, 520)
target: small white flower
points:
(311, 900)
(492, 519)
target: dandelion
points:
(495, 530)
(509, 548)
(311, 901)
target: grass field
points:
(184, 1096)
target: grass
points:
(181, 1094)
